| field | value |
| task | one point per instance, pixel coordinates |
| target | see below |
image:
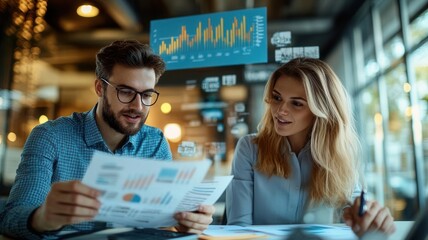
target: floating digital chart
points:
(219, 39)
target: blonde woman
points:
(304, 155)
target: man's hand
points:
(376, 218)
(66, 203)
(195, 222)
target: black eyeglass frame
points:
(119, 89)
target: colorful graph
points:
(227, 38)
(167, 175)
(107, 179)
(185, 175)
(138, 182)
(131, 197)
(161, 200)
(172, 175)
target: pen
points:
(363, 206)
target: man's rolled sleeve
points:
(17, 219)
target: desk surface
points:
(403, 228)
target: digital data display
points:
(218, 39)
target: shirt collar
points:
(129, 142)
(92, 132)
(304, 149)
(133, 140)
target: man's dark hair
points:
(129, 53)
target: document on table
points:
(230, 232)
(288, 231)
(146, 193)
(306, 231)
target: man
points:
(47, 195)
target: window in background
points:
(371, 67)
(414, 6)
(420, 65)
(367, 100)
(370, 128)
(399, 143)
(393, 51)
(390, 24)
(382, 98)
(418, 28)
(389, 17)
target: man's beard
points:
(113, 122)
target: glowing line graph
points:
(227, 38)
(210, 37)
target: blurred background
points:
(377, 47)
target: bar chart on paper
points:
(165, 199)
(140, 182)
(166, 175)
(141, 192)
(172, 175)
(227, 38)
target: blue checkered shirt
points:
(60, 150)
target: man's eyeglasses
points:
(127, 95)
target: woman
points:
(304, 156)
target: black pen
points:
(363, 206)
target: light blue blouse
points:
(253, 198)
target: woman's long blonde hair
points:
(333, 140)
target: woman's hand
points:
(375, 218)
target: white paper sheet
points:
(146, 193)
(341, 231)
(294, 231)
(225, 231)
(206, 192)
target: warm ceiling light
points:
(166, 108)
(11, 137)
(43, 119)
(87, 10)
(172, 132)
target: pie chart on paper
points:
(131, 197)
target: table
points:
(403, 228)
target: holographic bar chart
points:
(218, 39)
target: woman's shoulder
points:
(245, 152)
(248, 137)
(246, 143)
